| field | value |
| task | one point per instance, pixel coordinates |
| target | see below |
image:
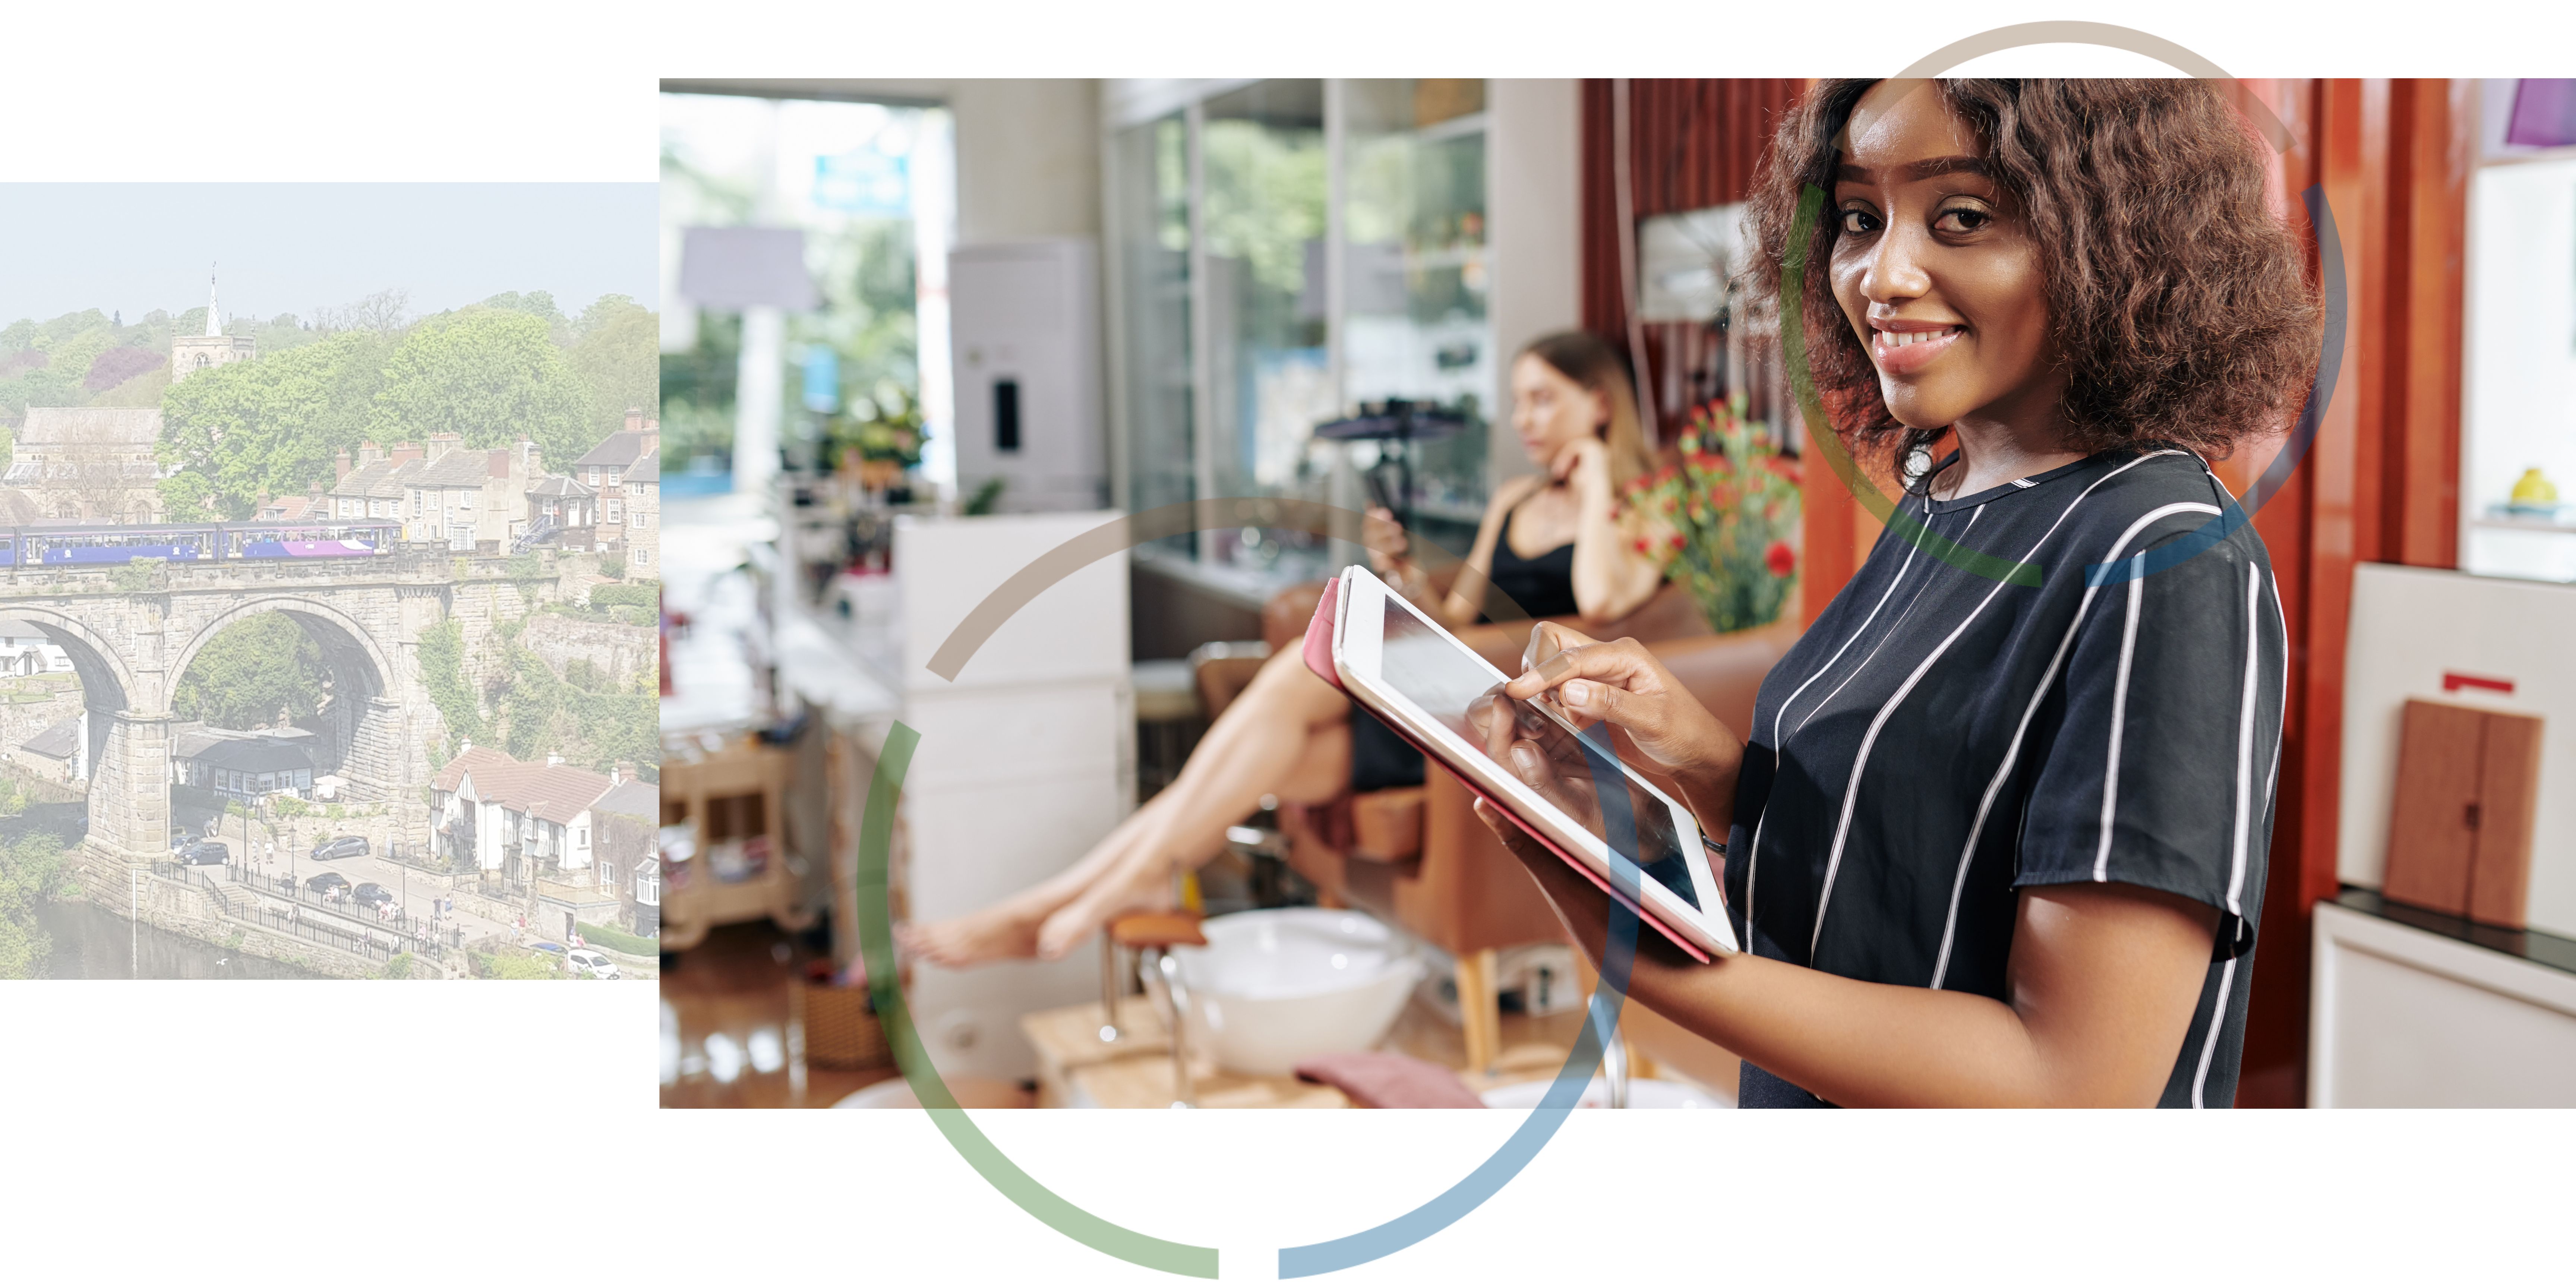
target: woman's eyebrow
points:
(1914, 171)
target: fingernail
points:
(1577, 693)
(1526, 761)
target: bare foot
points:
(989, 934)
(1103, 902)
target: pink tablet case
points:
(1319, 659)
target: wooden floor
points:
(733, 987)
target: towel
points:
(1385, 1080)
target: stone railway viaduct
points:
(131, 632)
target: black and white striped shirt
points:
(1940, 739)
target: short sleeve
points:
(2158, 771)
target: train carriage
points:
(76, 544)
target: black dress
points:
(1540, 587)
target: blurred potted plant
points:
(1724, 514)
(878, 438)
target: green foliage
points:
(618, 940)
(582, 714)
(612, 566)
(399, 967)
(524, 568)
(273, 426)
(618, 356)
(250, 672)
(985, 497)
(492, 375)
(145, 390)
(138, 576)
(335, 811)
(648, 597)
(33, 869)
(519, 966)
(184, 496)
(442, 669)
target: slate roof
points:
(560, 485)
(633, 798)
(132, 429)
(648, 469)
(618, 450)
(255, 755)
(57, 742)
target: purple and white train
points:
(80, 544)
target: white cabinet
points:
(2404, 1017)
(1026, 759)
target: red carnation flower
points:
(1781, 559)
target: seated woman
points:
(1549, 543)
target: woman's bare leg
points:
(1294, 742)
(1279, 714)
(1010, 928)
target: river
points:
(92, 943)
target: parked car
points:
(209, 852)
(329, 885)
(589, 961)
(181, 839)
(372, 894)
(339, 847)
(548, 946)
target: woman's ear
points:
(1597, 404)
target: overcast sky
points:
(288, 247)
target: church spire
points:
(214, 316)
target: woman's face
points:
(1934, 269)
(1549, 410)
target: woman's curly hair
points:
(2178, 302)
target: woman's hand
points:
(1583, 465)
(1622, 683)
(1385, 540)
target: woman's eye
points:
(1859, 221)
(1962, 219)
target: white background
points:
(155, 1132)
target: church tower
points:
(190, 354)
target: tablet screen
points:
(1454, 686)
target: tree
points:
(618, 355)
(32, 872)
(250, 671)
(114, 367)
(491, 375)
(184, 496)
(382, 312)
(273, 426)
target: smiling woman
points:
(2175, 310)
(2001, 842)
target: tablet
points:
(1436, 692)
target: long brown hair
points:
(1590, 361)
(2178, 302)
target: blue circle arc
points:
(1601, 1018)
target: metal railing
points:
(329, 924)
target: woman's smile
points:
(1903, 348)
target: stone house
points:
(60, 754)
(443, 493)
(644, 517)
(630, 818)
(604, 470)
(521, 819)
(562, 511)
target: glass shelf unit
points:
(1284, 251)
